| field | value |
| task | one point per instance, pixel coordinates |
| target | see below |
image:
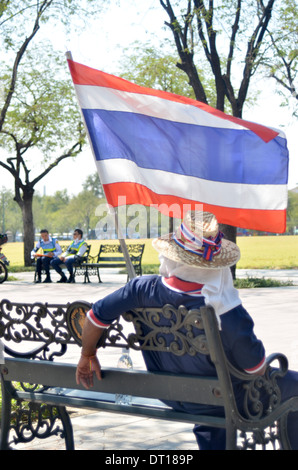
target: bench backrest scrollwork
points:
(39, 330)
(44, 327)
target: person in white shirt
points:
(73, 254)
(50, 248)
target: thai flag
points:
(157, 148)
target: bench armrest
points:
(92, 259)
(256, 386)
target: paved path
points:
(278, 274)
(274, 311)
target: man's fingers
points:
(95, 367)
(85, 379)
(86, 368)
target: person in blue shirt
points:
(194, 271)
(50, 248)
(73, 254)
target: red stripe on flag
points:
(83, 75)
(132, 193)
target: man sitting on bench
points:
(195, 271)
(51, 248)
(72, 255)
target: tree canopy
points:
(39, 117)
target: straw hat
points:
(198, 243)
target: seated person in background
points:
(51, 248)
(73, 254)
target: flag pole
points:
(130, 269)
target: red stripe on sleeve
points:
(95, 320)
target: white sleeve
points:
(220, 292)
(58, 249)
(35, 249)
(82, 250)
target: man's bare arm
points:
(88, 363)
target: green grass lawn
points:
(272, 252)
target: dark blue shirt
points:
(241, 346)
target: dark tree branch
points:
(75, 150)
(235, 28)
(287, 67)
(186, 56)
(40, 10)
(252, 52)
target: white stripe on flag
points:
(239, 196)
(95, 97)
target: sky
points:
(101, 47)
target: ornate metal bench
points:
(110, 256)
(47, 387)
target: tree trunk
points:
(28, 225)
(230, 234)
(25, 202)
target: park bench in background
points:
(110, 256)
(36, 334)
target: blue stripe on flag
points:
(226, 155)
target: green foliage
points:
(61, 213)
(10, 213)
(255, 282)
(280, 60)
(292, 212)
(94, 185)
(43, 113)
(159, 69)
(38, 109)
(232, 41)
(3, 6)
(80, 212)
(47, 13)
(153, 68)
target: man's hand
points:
(86, 367)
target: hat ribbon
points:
(192, 243)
